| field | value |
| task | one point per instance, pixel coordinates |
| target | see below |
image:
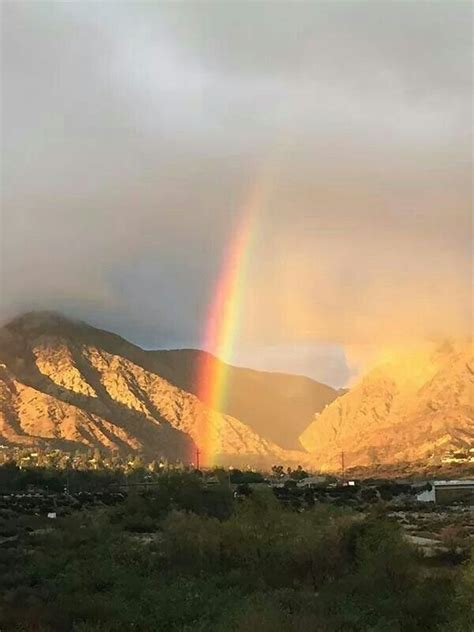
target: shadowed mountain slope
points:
(276, 405)
(71, 384)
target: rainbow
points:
(222, 327)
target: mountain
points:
(277, 406)
(70, 385)
(416, 407)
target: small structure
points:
(427, 495)
(312, 481)
(52, 515)
(447, 492)
(281, 482)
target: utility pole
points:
(343, 468)
(198, 454)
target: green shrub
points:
(212, 566)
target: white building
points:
(446, 492)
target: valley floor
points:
(190, 557)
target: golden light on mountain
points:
(69, 385)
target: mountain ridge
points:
(68, 384)
(416, 407)
(65, 380)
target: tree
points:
(278, 471)
(298, 474)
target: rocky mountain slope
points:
(69, 385)
(277, 406)
(416, 407)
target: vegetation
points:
(186, 556)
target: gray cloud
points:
(132, 133)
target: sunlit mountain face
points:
(66, 385)
(71, 386)
(416, 406)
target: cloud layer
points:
(133, 132)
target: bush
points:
(213, 566)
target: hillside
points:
(71, 385)
(277, 406)
(416, 407)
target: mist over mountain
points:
(417, 406)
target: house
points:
(427, 495)
(447, 492)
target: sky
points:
(133, 133)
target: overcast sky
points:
(133, 132)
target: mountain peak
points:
(72, 383)
(401, 411)
(41, 319)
